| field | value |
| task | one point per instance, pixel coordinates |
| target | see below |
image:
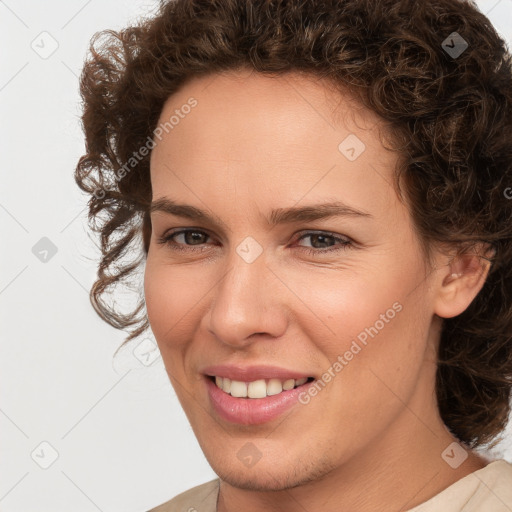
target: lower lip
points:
(252, 411)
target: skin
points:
(372, 439)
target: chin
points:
(271, 477)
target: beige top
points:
(486, 490)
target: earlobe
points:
(460, 282)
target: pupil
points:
(314, 237)
(190, 236)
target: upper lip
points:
(252, 373)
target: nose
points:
(247, 302)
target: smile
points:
(255, 402)
(257, 389)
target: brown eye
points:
(191, 239)
(325, 241)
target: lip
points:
(252, 411)
(251, 373)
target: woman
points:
(320, 190)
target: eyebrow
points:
(277, 216)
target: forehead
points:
(248, 132)
(291, 95)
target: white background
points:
(122, 440)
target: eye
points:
(195, 236)
(321, 238)
(194, 240)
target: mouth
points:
(254, 402)
(257, 389)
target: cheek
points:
(339, 307)
(382, 353)
(172, 303)
(371, 331)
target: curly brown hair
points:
(449, 117)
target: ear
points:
(461, 278)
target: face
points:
(264, 287)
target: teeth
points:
(288, 384)
(274, 387)
(238, 389)
(225, 384)
(258, 388)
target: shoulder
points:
(202, 498)
(495, 487)
(489, 489)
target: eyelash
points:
(168, 240)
